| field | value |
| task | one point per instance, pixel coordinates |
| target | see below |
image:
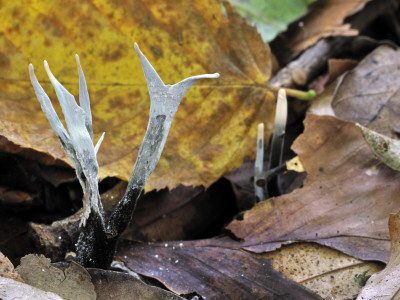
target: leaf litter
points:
(364, 238)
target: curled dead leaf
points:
(386, 149)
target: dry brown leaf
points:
(336, 67)
(71, 283)
(326, 19)
(386, 284)
(121, 286)
(345, 201)
(213, 269)
(369, 94)
(216, 124)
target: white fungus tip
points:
(51, 76)
(282, 93)
(47, 68)
(261, 128)
(77, 59)
(31, 69)
(137, 49)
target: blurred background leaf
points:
(271, 17)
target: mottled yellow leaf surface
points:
(216, 124)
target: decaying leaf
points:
(345, 201)
(369, 94)
(211, 269)
(214, 129)
(71, 283)
(336, 68)
(386, 284)
(325, 271)
(386, 149)
(121, 286)
(11, 290)
(325, 19)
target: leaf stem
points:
(301, 95)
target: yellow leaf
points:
(216, 124)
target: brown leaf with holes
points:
(345, 202)
(216, 123)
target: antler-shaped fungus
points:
(97, 241)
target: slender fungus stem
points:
(277, 142)
(259, 164)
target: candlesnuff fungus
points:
(97, 240)
(275, 166)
